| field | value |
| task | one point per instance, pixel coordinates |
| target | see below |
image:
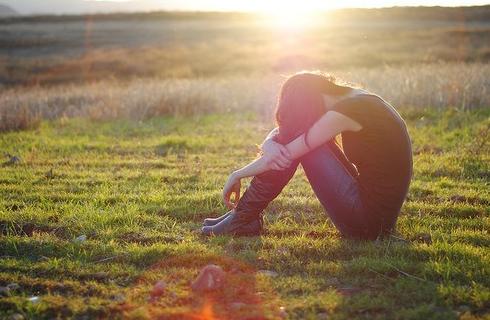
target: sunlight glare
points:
(291, 15)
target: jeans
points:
(334, 180)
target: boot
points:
(231, 225)
(212, 221)
(246, 219)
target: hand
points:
(232, 186)
(277, 156)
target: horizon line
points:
(259, 12)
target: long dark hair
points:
(300, 103)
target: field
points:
(117, 134)
(53, 50)
(139, 192)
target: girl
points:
(362, 185)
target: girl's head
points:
(301, 102)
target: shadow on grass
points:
(241, 296)
(372, 280)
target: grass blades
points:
(138, 192)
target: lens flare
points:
(290, 15)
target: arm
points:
(233, 184)
(273, 150)
(276, 152)
(327, 127)
(271, 135)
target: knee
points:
(316, 156)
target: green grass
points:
(139, 191)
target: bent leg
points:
(246, 218)
(262, 190)
(334, 181)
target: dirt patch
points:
(469, 200)
(28, 229)
(428, 149)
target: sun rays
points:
(291, 15)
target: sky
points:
(80, 6)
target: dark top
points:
(381, 151)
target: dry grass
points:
(464, 86)
(59, 50)
(144, 65)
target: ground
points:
(138, 191)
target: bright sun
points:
(290, 15)
(289, 19)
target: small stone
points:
(235, 306)
(211, 278)
(16, 316)
(13, 286)
(13, 160)
(100, 276)
(34, 299)
(4, 292)
(424, 238)
(80, 239)
(333, 281)
(348, 291)
(464, 308)
(458, 198)
(158, 289)
(49, 174)
(268, 273)
(283, 251)
(119, 298)
(438, 309)
(282, 312)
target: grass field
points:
(117, 133)
(138, 191)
